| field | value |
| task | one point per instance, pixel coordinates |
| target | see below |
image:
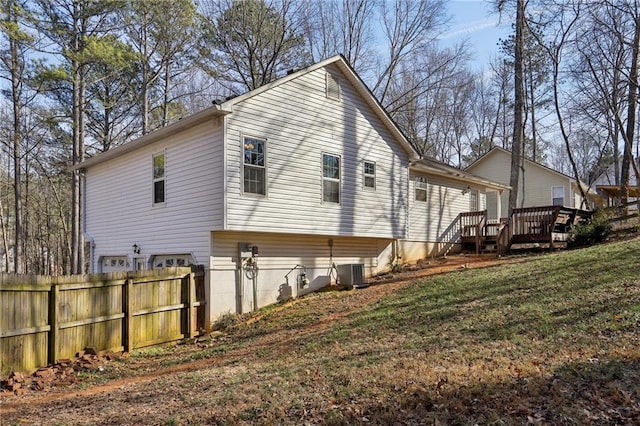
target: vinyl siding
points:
(535, 184)
(279, 254)
(299, 124)
(119, 207)
(436, 219)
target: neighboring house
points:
(539, 185)
(273, 192)
(605, 184)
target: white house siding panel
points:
(278, 255)
(119, 205)
(299, 124)
(433, 225)
(536, 183)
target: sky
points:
(476, 21)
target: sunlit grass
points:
(554, 339)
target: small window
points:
(170, 261)
(114, 264)
(369, 174)
(558, 195)
(158, 179)
(473, 201)
(333, 87)
(254, 166)
(330, 178)
(420, 188)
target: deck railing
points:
(472, 225)
(544, 224)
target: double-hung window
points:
(330, 178)
(420, 186)
(254, 166)
(158, 178)
(473, 201)
(558, 195)
(369, 174)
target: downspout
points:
(92, 243)
(224, 173)
(240, 289)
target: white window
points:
(330, 178)
(420, 184)
(114, 264)
(172, 261)
(333, 86)
(254, 166)
(158, 178)
(369, 174)
(473, 200)
(558, 195)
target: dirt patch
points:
(118, 378)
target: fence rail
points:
(43, 318)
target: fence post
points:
(127, 307)
(54, 295)
(191, 309)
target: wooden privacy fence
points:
(43, 318)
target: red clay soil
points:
(11, 404)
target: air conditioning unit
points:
(351, 275)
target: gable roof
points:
(431, 165)
(573, 181)
(226, 107)
(363, 90)
(498, 149)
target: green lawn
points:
(554, 339)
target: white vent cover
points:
(333, 87)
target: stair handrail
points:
(480, 231)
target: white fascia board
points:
(459, 175)
(155, 136)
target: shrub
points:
(595, 231)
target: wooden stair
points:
(530, 225)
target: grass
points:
(551, 340)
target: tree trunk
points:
(516, 146)
(627, 156)
(16, 143)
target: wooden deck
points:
(545, 225)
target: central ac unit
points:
(351, 275)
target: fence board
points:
(43, 319)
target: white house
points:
(539, 184)
(273, 192)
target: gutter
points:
(149, 138)
(458, 174)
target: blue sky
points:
(476, 21)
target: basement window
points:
(114, 264)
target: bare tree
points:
(518, 104)
(76, 31)
(14, 61)
(251, 43)
(341, 26)
(408, 26)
